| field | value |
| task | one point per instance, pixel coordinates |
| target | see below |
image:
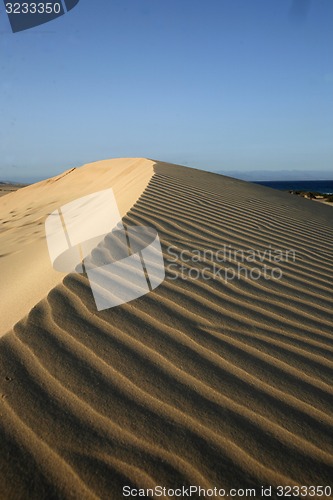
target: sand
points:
(26, 274)
(7, 188)
(200, 382)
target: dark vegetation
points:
(314, 196)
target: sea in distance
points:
(308, 186)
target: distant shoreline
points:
(319, 186)
(321, 191)
(321, 197)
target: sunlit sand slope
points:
(199, 382)
(25, 270)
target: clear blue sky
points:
(216, 84)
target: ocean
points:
(310, 186)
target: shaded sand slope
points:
(199, 382)
(25, 270)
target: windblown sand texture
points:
(199, 382)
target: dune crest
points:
(26, 273)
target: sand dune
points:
(26, 274)
(202, 381)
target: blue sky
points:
(228, 85)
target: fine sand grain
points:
(200, 382)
